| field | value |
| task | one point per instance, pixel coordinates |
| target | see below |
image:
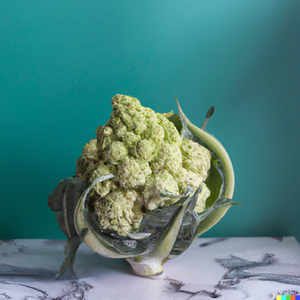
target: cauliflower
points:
(147, 155)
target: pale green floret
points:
(116, 211)
(131, 140)
(90, 150)
(132, 172)
(205, 193)
(119, 128)
(89, 157)
(147, 155)
(146, 149)
(169, 158)
(195, 158)
(104, 137)
(139, 123)
(171, 134)
(194, 179)
(117, 152)
(161, 181)
(155, 132)
(127, 108)
(181, 176)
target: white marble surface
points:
(232, 268)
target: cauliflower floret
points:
(132, 172)
(195, 158)
(147, 155)
(151, 192)
(117, 152)
(90, 150)
(169, 158)
(204, 194)
(101, 188)
(117, 211)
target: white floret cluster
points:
(147, 154)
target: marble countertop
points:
(224, 268)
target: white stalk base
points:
(148, 266)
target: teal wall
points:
(62, 61)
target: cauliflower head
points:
(147, 155)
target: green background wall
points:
(62, 61)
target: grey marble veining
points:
(222, 268)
